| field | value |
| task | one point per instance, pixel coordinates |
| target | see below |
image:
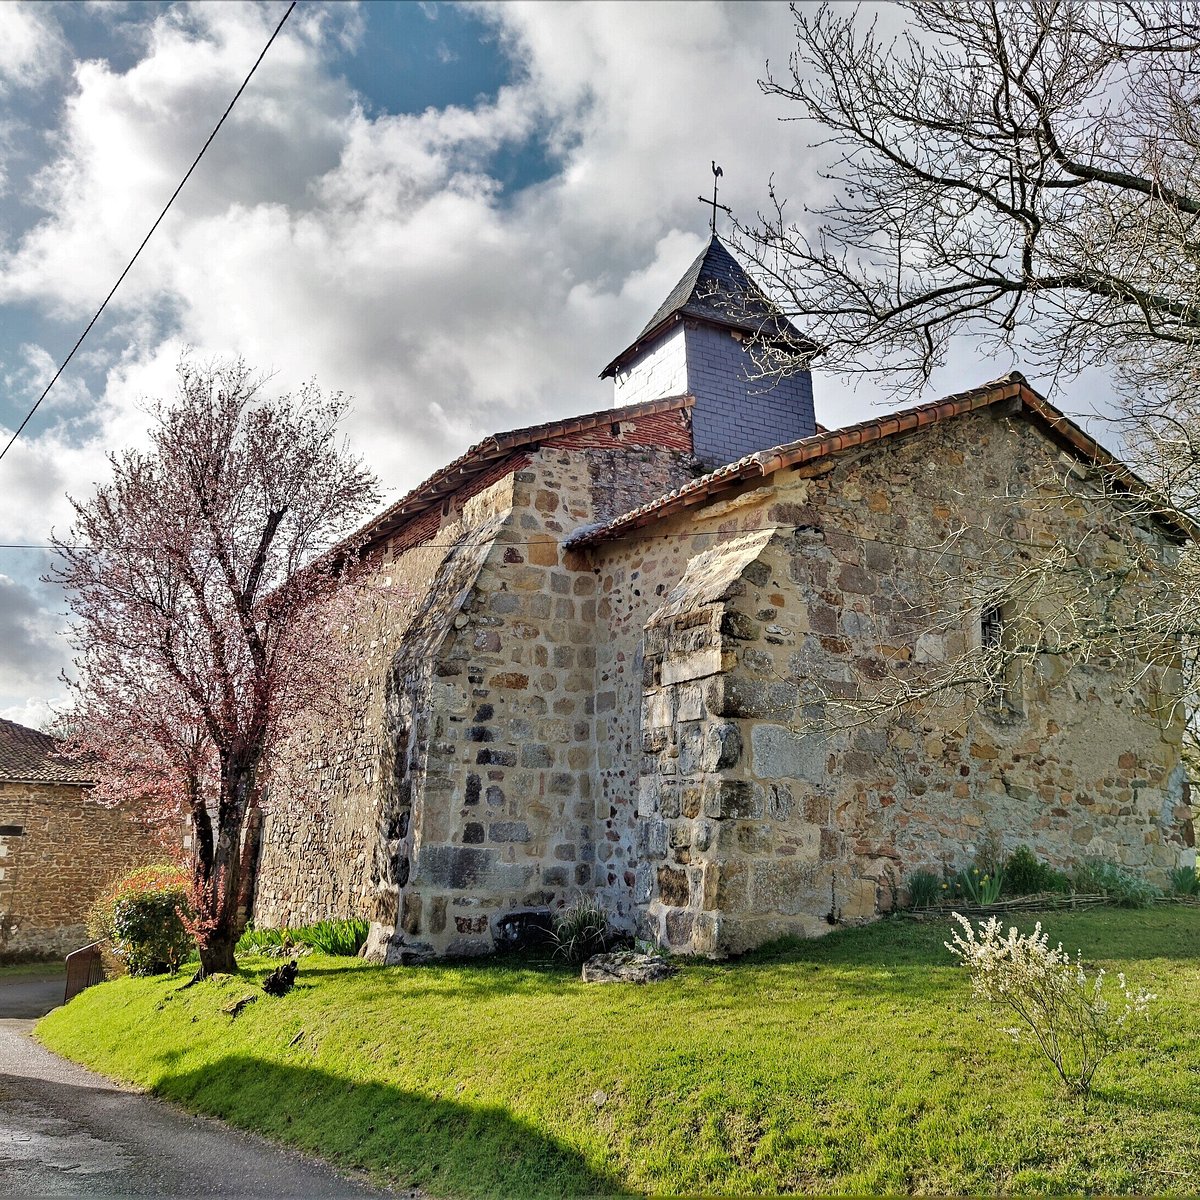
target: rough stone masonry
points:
(58, 847)
(594, 670)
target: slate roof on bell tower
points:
(715, 288)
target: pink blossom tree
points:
(210, 578)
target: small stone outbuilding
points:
(58, 847)
(607, 653)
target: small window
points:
(991, 628)
(995, 639)
(12, 830)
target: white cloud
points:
(377, 254)
(127, 139)
(27, 635)
(31, 46)
(36, 712)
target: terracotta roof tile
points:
(448, 479)
(27, 755)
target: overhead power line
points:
(166, 207)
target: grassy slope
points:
(858, 1063)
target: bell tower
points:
(717, 337)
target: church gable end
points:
(457, 801)
(763, 806)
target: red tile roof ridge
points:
(29, 756)
(1011, 386)
(492, 448)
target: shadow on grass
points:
(896, 958)
(438, 1145)
(1180, 1098)
(464, 979)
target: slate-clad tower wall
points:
(710, 339)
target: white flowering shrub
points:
(1077, 1021)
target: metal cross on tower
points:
(717, 173)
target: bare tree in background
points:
(1026, 174)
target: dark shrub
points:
(924, 888)
(1026, 875)
(139, 917)
(580, 930)
(1185, 882)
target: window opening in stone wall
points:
(12, 830)
(995, 639)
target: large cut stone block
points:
(697, 665)
(725, 798)
(745, 697)
(461, 867)
(722, 746)
(782, 753)
(674, 889)
(652, 838)
(789, 887)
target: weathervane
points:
(717, 173)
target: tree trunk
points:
(251, 841)
(216, 956)
(218, 893)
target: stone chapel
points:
(606, 647)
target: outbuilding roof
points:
(27, 756)
(1012, 389)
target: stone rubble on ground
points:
(627, 966)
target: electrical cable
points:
(129, 265)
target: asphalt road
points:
(28, 997)
(67, 1132)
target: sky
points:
(454, 214)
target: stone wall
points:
(68, 850)
(761, 807)
(657, 720)
(455, 799)
(322, 855)
(498, 710)
(688, 789)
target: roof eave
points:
(801, 343)
(28, 779)
(1059, 427)
(633, 350)
(491, 450)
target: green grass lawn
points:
(858, 1063)
(28, 969)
